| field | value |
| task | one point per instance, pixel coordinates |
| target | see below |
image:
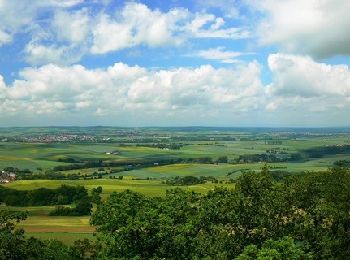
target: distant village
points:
(7, 177)
(54, 138)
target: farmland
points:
(147, 187)
(69, 228)
(145, 160)
(39, 224)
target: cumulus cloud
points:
(54, 90)
(318, 28)
(300, 83)
(301, 91)
(301, 76)
(136, 24)
(109, 36)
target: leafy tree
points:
(12, 241)
(83, 249)
(222, 159)
(83, 206)
(96, 195)
(282, 249)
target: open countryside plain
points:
(149, 160)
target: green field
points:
(147, 187)
(40, 225)
(223, 171)
(173, 170)
(46, 156)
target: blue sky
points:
(174, 63)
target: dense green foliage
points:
(342, 163)
(284, 248)
(251, 222)
(42, 197)
(269, 158)
(319, 152)
(83, 207)
(190, 180)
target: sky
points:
(273, 63)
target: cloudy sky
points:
(175, 62)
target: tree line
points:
(63, 195)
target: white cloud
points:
(4, 38)
(136, 24)
(13, 16)
(204, 87)
(71, 26)
(65, 41)
(302, 87)
(302, 91)
(318, 28)
(58, 32)
(301, 76)
(38, 54)
(220, 54)
(210, 26)
(55, 43)
(109, 36)
(59, 90)
(19, 15)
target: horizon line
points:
(186, 126)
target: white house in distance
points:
(6, 177)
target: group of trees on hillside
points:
(322, 151)
(297, 217)
(63, 195)
(190, 180)
(69, 200)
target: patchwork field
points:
(69, 228)
(40, 225)
(37, 157)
